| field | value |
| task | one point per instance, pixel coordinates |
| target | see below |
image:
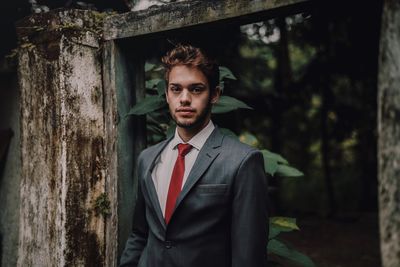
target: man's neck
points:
(187, 133)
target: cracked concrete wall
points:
(62, 140)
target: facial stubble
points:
(200, 120)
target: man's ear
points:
(216, 94)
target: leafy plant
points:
(160, 126)
(276, 165)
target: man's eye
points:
(174, 89)
(197, 89)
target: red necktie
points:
(175, 185)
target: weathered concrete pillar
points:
(389, 134)
(62, 141)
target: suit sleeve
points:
(249, 228)
(138, 238)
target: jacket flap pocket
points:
(212, 188)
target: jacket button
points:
(168, 244)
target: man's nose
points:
(185, 97)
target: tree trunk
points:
(283, 80)
(327, 99)
(325, 147)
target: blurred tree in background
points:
(312, 81)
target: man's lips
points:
(185, 111)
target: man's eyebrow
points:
(196, 84)
(192, 84)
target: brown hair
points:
(193, 57)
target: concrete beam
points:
(194, 13)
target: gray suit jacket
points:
(220, 218)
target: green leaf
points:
(285, 223)
(270, 166)
(222, 86)
(225, 73)
(248, 139)
(148, 66)
(161, 86)
(284, 170)
(158, 84)
(147, 105)
(271, 161)
(154, 128)
(227, 103)
(281, 224)
(273, 156)
(150, 84)
(274, 231)
(157, 137)
(228, 132)
(280, 249)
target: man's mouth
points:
(185, 111)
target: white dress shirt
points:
(164, 166)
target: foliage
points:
(275, 246)
(276, 165)
(278, 225)
(160, 126)
(329, 102)
(227, 104)
(149, 104)
(280, 249)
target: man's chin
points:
(186, 125)
(189, 124)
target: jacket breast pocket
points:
(212, 189)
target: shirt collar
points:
(198, 140)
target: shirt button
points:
(168, 244)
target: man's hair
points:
(187, 55)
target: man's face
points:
(188, 97)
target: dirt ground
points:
(347, 241)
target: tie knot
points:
(183, 149)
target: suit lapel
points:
(207, 154)
(151, 189)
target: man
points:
(202, 196)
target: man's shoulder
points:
(234, 147)
(153, 150)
